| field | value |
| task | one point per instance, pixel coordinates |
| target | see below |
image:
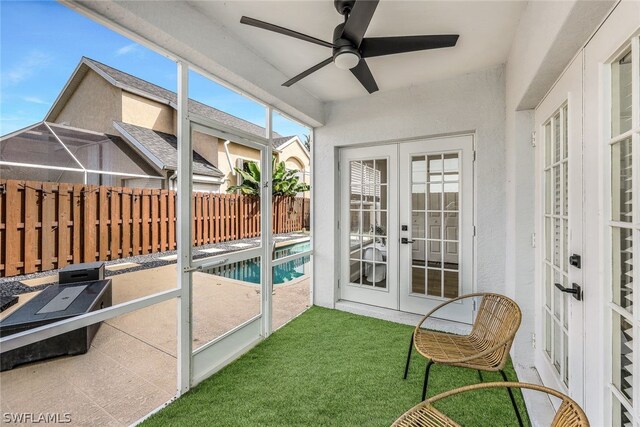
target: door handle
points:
(574, 290)
(405, 241)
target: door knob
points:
(405, 241)
(574, 290)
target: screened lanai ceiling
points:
(486, 30)
(54, 153)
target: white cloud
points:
(26, 67)
(128, 49)
(35, 100)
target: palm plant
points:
(283, 183)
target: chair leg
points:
(480, 375)
(426, 380)
(406, 368)
(513, 400)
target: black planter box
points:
(55, 303)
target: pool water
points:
(249, 270)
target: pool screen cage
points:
(51, 152)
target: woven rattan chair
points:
(424, 414)
(486, 348)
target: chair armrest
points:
(429, 314)
(483, 352)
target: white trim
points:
(40, 333)
(291, 141)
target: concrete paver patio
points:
(131, 366)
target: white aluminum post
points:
(184, 231)
(265, 226)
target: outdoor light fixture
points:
(346, 58)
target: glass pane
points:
(374, 267)
(548, 232)
(451, 166)
(621, 181)
(355, 222)
(450, 256)
(557, 293)
(622, 267)
(565, 132)
(433, 227)
(557, 254)
(418, 226)
(381, 197)
(565, 351)
(565, 188)
(451, 196)
(355, 197)
(557, 194)
(435, 197)
(565, 245)
(621, 93)
(434, 253)
(451, 225)
(547, 333)
(434, 172)
(623, 356)
(418, 253)
(356, 247)
(557, 347)
(434, 282)
(418, 278)
(547, 144)
(418, 196)
(369, 194)
(369, 176)
(451, 284)
(418, 169)
(548, 285)
(355, 271)
(548, 199)
(556, 138)
(381, 171)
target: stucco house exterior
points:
(142, 117)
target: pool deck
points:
(130, 368)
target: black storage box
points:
(81, 272)
(55, 303)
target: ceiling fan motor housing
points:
(345, 55)
(344, 6)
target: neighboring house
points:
(143, 115)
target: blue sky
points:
(41, 44)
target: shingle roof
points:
(163, 146)
(278, 142)
(139, 85)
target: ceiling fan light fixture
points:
(346, 59)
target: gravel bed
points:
(12, 286)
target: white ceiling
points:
(486, 30)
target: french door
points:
(436, 222)
(407, 238)
(559, 317)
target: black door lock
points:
(575, 261)
(574, 290)
(405, 241)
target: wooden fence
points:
(44, 225)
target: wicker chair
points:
(424, 414)
(486, 348)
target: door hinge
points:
(533, 138)
(474, 305)
(533, 240)
(474, 155)
(338, 225)
(533, 340)
(474, 231)
(338, 283)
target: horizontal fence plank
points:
(46, 226)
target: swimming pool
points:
(249, 270)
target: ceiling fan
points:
(350, 47)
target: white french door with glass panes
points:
(559, 307)
(612, 129)
(369, 231)
(436, 225)
(407, 225)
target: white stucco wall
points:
(472, 102)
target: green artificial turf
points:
(328, 367)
